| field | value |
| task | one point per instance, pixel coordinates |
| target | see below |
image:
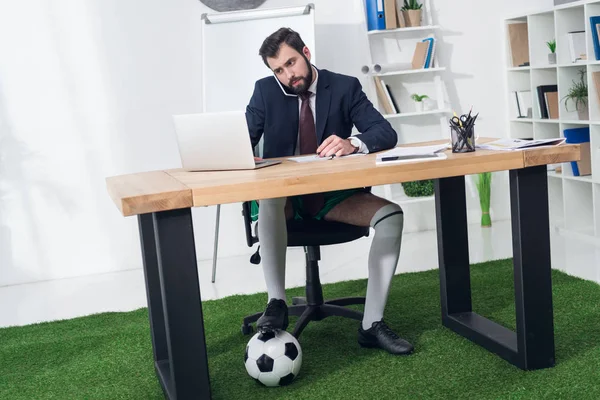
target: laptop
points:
(216, 141)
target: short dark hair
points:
(270, 46)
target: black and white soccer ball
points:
(274, 358)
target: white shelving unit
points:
(397, 46)
(574, 201)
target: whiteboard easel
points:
(231, 64)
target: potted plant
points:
(578, 93)
(418, 188)
(552, 55)
(412, 12)
(484, 186)
(419, 101)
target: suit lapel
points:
(323, 100)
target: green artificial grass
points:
(109, 356)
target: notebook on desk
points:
(411, 154)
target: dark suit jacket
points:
(340, 103)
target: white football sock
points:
(272, 235)
(388, 223)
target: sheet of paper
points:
(413, 150)
(519, 144)
(315, 158)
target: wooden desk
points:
(163, 200)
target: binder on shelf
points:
(552, 104)
(519, 43)
(375, 15)
(525, 103)
(388, 97)
(596, 78)
(577, 46)
(400, 16)
(430, 50)
(514, 105)
(391, 98)
(594, 26)
(541, 92)
(382, 97)
(420, 55)
(580, 136)
(389, 10)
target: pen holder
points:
(463, 139)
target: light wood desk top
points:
(171, 189)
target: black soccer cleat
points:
(379, 335)
(274, 318)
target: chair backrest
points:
(307, 233)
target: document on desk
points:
(314, 158)
(411, 154)
(519, 144)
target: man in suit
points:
(305, 110)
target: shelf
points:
(400, 30)
(585, 235)
(574, 201)
(416, 114)
(586, 178)
(576, 121)
(412, 71)
(557, 121)
(549, 66)
(554, 174)
(571, 65)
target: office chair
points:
(310, 234)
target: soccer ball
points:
(273, 358)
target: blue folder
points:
(593, 22)
(429, 51)
(375, 15)
(577, 135)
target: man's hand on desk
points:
(257, 159)
(336, 145)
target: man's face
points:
(292, 68)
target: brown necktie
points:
(308, 145)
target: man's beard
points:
(306, 81)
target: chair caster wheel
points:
(247, 329)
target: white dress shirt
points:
(362, 148)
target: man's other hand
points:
(335, 145)
(257, 159)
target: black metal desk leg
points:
(532, 267)
(179, 342)
(453, 246)
(155, 305)
(532, 345)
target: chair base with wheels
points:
(312, 234)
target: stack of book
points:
(424, 54)
(385, 97)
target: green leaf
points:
(418, 188)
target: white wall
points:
(87, 89)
